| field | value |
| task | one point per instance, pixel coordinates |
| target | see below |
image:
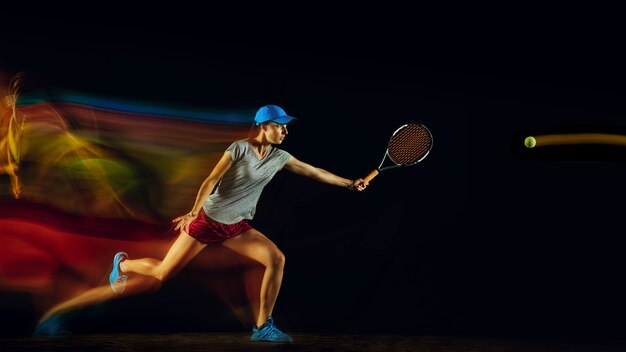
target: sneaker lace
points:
(271, 331)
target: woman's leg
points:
(182, 251)
(255, 245)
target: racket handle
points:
(371, 175)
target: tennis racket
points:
(408, 145)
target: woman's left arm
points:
(298, 167)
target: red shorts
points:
(209, 231)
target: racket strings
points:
(410, 144)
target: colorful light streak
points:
(88, 176)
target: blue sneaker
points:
(269, 332)
(53, 326)
(116, 279)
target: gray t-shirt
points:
(236, 196)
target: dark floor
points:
(303, 342)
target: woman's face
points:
(275, 133)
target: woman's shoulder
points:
(238, 148)
(239, 144)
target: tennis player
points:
(225, 202)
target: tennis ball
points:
(530, 142)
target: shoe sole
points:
(118, 286)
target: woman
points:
(222, 216)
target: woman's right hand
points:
(183, 221)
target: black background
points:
(483, 237)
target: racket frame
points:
(387, 156)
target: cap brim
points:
(283, 120)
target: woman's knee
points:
(161, 271)
(274, 258)
(164, 274)
(280, 259)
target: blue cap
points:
(272, 113)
